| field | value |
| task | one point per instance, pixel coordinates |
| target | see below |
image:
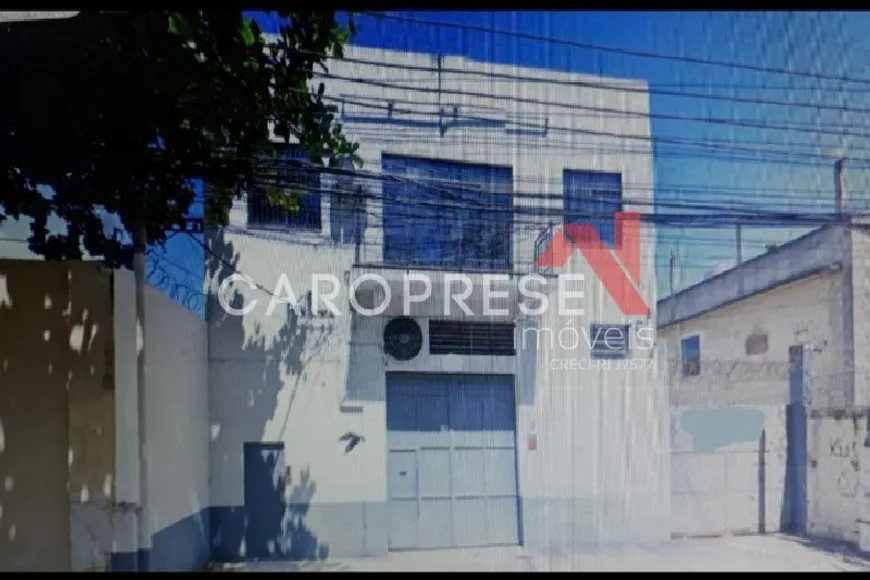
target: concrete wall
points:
(857, 357)
(177, 382)
(303, 380)
(806, 311)
(836, 441)
(729, 470)
(91, 417)
(722, 490)
(177, 432)
(826, 310)
(56, 416)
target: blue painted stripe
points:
(312, 532)
(129, 561)
(182, 546)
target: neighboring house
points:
(750, 351)
(349, 435)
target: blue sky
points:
(829, 43)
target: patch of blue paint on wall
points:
(310, 532)
(715, 427)
(228, 533)
(180, 547)
(129, 561)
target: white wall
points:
(836, 441)
(807, 311)
(729, 469)
(177, 412)
(856, 357)
(306, 381)
(177, 383)
(275, 378)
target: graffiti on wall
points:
(845, 455)
(738, 371)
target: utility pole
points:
(738, 235)
(671, 263)
(144, 513)
(838, 188)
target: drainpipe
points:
(738, 235)
(143, 514)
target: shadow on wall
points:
(256, 375)
(56, 416)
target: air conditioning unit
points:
(403, 338)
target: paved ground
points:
(749, 553)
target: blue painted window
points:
(592, 197)
(444, 214)
(690, 356)
(609, 341)
(288, 172)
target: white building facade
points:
(348, 434)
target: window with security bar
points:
(286, 172)
(446, 214)
(593, 198)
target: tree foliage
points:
(124, 112)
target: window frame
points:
(282, 222)
(683, 361)
(610, 354)
(403, 248)
(613, 237)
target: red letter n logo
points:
(618, 270)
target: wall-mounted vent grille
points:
(609, 341)
(471, 338)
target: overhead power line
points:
(447, 185)
(161, 278)
(620, 50)
(624, 86)
(605, 111)
(399, 139)
(532, 215)
(787, 155)
(269, 171)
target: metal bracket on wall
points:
(128, 506)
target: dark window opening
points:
(690, 356)
(756, 344)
